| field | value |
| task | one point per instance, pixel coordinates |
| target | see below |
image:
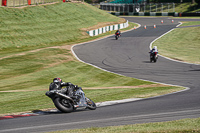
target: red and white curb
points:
(16, 116)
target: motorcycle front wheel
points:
(63, 105)
(91, 104)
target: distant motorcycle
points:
(117, 35)
(153, 56)
(67, 103)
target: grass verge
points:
(181, 43)
(190, 23)
(48, 25)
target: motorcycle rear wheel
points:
(91, 104)
(63, 105)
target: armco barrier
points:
(107, 28)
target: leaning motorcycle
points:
(153, 56)
(117, 35)
(67, 103)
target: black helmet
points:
(57, 80)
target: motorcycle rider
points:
(154, 49)
(154, 54)
(119, 32)
(69, 98)
(57, 84)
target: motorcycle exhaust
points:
(67, 97)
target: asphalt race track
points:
(127, 56)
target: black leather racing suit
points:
(69, 89)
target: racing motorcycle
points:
(153, 56)
(117, 35)
(67, 102)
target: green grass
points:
(187, 7)
(13, 102)
(42, 26)
(191, 23)
(178, 126)
(181, 44)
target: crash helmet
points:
(57, 80)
